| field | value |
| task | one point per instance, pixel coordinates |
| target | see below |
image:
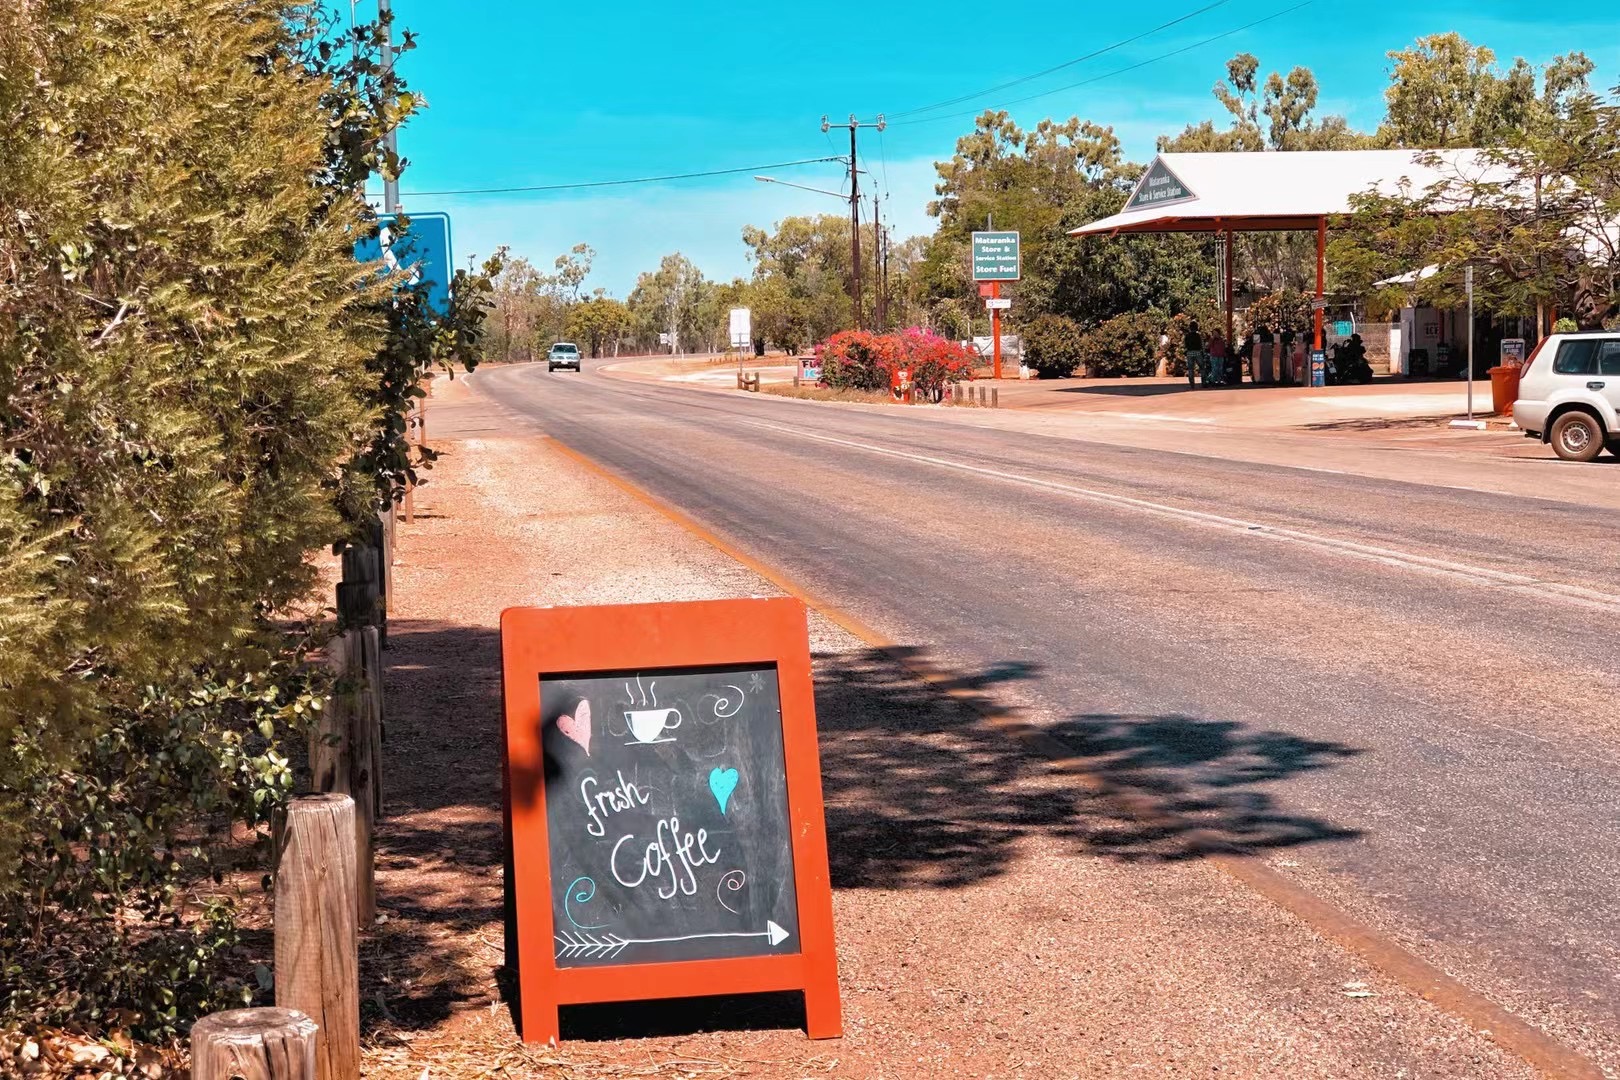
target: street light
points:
(819, 191)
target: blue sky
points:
(555, 93)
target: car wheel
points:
(550, 369)
(1577, 436)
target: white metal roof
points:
(1277, 190)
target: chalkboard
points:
(662, 797)
(667, 816)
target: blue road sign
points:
(424, 250)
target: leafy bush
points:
(864, 360)
(1279, 311)
(933, 361)
(1126, 345)
(198, 387)
(1053, 346)
(858, 360)
(1565, 325)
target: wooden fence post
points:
(995, 397)
(345, 753)
(317, 947)
(253, 1044)
(360, 597)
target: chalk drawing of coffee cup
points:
(648, 724)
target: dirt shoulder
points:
(991, 922)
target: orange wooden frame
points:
(536, 642)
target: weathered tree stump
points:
(253, 1044)
(317, 947)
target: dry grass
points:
(826, 393)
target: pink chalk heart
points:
(578, 726)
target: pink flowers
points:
(864, 360)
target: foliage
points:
(801, 280)
(1285, 103)
(1536, 222)
(934, 363)
(185, 763)
(1053, 345)
(596, 322)
(676, 300)
(1125, 346)
(531, 309)
(198, 386)
(1565, 325)
(864, 360)
(858, 360)
(1279, 311)
(1446, 92)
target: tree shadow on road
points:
(929, 790)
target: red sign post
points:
(578, 777)
(995, 330)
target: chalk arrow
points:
(606, 946)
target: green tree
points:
(801, 281)
(668, 301)
(198, 388)
(1447, 92)
(1277, 114)
(599, 322)
(1536, 221)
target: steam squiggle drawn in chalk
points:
(583, 896)
(732, 881)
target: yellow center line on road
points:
(1538, 1049)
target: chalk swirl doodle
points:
(731, 881)
(583, 896)
(726, 705)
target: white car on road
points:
(563, 354)
(1569, 394)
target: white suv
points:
(563, 354)
(1569, 394)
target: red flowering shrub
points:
(863, 360)
(858, 360)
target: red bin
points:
(1504, 388)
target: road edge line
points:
(1404, 967)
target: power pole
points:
(880, 271)
(854, 205)
(390, 183)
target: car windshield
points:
(565, 348)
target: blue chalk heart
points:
(722, 782)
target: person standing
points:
(1217, 359)
(1192, 343)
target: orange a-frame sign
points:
(734, 899)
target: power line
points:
(619, 183)
(1120, 71)
(1060, 67)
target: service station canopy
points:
(1275, 192)
(1294, 191)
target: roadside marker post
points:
(1468, 279)
(1477, 425)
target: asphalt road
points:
(1404, 696)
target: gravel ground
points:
(983, 927)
